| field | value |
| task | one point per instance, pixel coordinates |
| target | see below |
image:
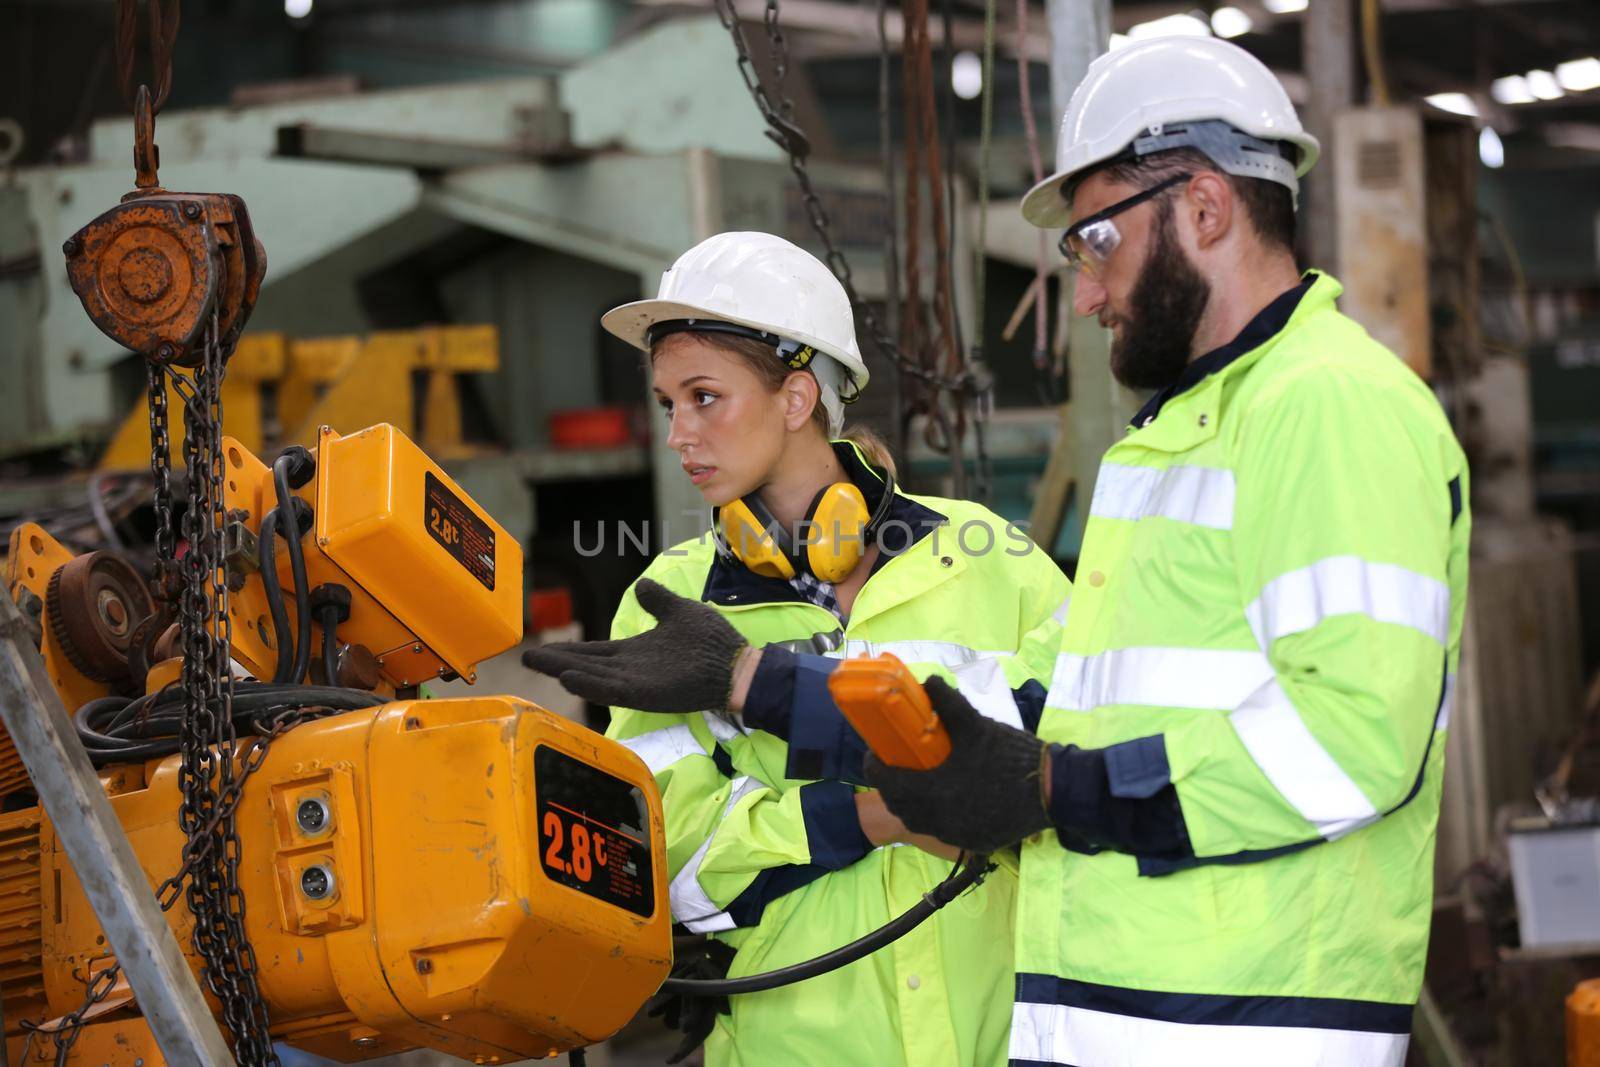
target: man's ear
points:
(1210, 202)
(801, 394)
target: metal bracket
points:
(168, 995)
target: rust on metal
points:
(150, 271)
(95, 605)
(153, 269)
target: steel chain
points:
(195, 851)
(206, 739)
(161, 472)
(783, 131)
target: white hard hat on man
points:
(1174, 92)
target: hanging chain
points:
(967, 382)
(207, 735)
(161, 471)
(784, 132)
(196, 850)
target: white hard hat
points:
(770, 287)
(1157, 95)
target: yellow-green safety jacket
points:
(1251, 695)
(775, 863)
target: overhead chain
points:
(783, 131)
(207, 240)
(968, 383)
(161, 471)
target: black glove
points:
(987, 794)
(684, 664)
(695, 1016)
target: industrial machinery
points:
(350, 867)
(476, 875)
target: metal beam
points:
(1329, 45)
(547, 138)
(168, 995)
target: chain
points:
(784, 132)
(161, 472)
(197, 850)
(207, 734)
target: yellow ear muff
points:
(750, 543)
(836, 538)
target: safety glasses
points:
(1089, 242)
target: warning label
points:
(458, 528)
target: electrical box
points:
(402, 529)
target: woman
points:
(772, 851)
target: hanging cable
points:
(267, 562)
(293, 460)
(1372, 52)
(963, 877)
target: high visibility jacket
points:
(777, 866)
(1257, 658)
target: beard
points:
(1164, 311)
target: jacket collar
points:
(730, 583)
(1268, 323)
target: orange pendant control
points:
(888, 707)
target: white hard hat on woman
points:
(760, 286)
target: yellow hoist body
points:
(473, 875)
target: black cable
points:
(577, 1057)
(267, 560)
(329, 619)
(960, 880)
(290, 521)
(118, 730)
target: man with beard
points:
(1228, 811)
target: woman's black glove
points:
(684, 664)
(987, 794)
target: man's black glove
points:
(684, 664)
(988, 792)
(695, 1016)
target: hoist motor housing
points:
(477, 876)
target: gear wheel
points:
(95, 602)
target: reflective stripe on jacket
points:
(778, 867)
(1266, 620)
